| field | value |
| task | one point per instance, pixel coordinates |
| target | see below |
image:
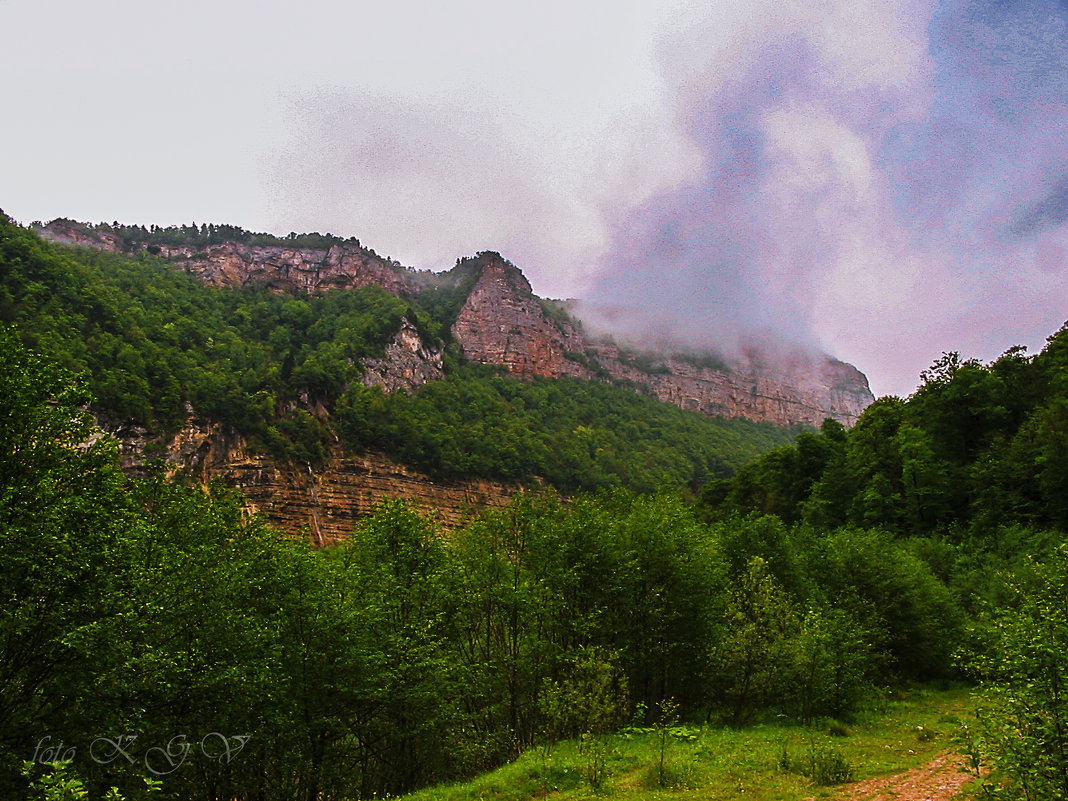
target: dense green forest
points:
(155, 639)
(284, 370)
(151, 631)
(976, 448)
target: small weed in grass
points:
(837, 730)
(674, 776)
(595, 751)
(925, 734)
(685, 734)
(558, 777)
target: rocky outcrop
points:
(409, 362)
(321, 502)
(803, 389)
(499, 322)
(502, 322)
(278, 267)
(76, 234)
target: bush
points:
(824, 764)
(1023, 715)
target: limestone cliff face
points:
(308, 269)
(803, 389)
(324, 502)
(503, 323)
(409, 362)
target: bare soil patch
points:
(939, 780)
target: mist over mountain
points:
(880, 180)
(866, 178)
(394, 526)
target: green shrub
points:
(1023, 714)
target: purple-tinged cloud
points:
(884, 180)
(1049, 212)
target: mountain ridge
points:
(501, 322)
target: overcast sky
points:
(881, 179)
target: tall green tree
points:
(61, 513)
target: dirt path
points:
(938, 780)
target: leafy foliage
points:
(160, 614)
(154, 340)
(137, 237)
(153, 610)
(948, 504)
(1024, 709)
(574, 434)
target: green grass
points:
(705, 763)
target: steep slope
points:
(318, 404)
(321, 501)
(502, 323)
(341, 265)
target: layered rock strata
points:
(323, 503)
(344, 265)
(502, 322)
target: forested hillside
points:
(230, 662)
(285, 371)
(400, 657)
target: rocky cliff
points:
(502, 322)
(323, 503)
(409, 362)
(343, 265)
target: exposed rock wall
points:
(502, 323)
(324, 502)
(409, 362)
(308, 269)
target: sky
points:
(881, 180)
